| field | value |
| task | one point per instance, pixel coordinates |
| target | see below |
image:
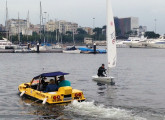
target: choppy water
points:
(139, 93)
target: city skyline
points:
(83, 12)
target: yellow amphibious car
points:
(63, 95)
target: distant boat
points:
(6, 44)
(136, 42)
(111, 48)
(156, 43)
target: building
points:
(62, 26)
(127, 25)
(16, 26)
(88, 41)
(2, 28)
(35, 28)
(88, 30)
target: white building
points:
(19, 26)
(62, 26)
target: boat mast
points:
(111, 37)
(59, 32)
(6, 22)
(27, 25)
(44, 27)
(56, 29)
(19, 29)
(73, 37)
(40, 20)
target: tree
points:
(151, 34)
(81, 31)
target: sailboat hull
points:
(71, 51)
(104, 80)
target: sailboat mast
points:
(45, 28)
(6, 22)
(111, 37)
(73, 37)
(40, 20)
(19, 30)
(56, 29)
(27, 25)
(59, 32)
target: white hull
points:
(41, 48)
(153, 45)
(72, 51)
(6, 44)
(104, 80)
(138, 45)
(120, 44)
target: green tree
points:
(151, 34)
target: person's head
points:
(44, 78)
(52, 81)
(61, 78)
(102, 65)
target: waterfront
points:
(137, 95)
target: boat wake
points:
(90, 110)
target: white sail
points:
(111, 37)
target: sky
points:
(83, 11)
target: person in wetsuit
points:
(101, 71)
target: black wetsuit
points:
(101, 70)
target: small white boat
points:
(111, 48)
(72, 51)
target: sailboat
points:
(111, 48)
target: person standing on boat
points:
(101, 71)
(51, 87)
(63, 82)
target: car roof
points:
(51, 74)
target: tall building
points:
(128, 24)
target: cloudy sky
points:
(83, 11)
